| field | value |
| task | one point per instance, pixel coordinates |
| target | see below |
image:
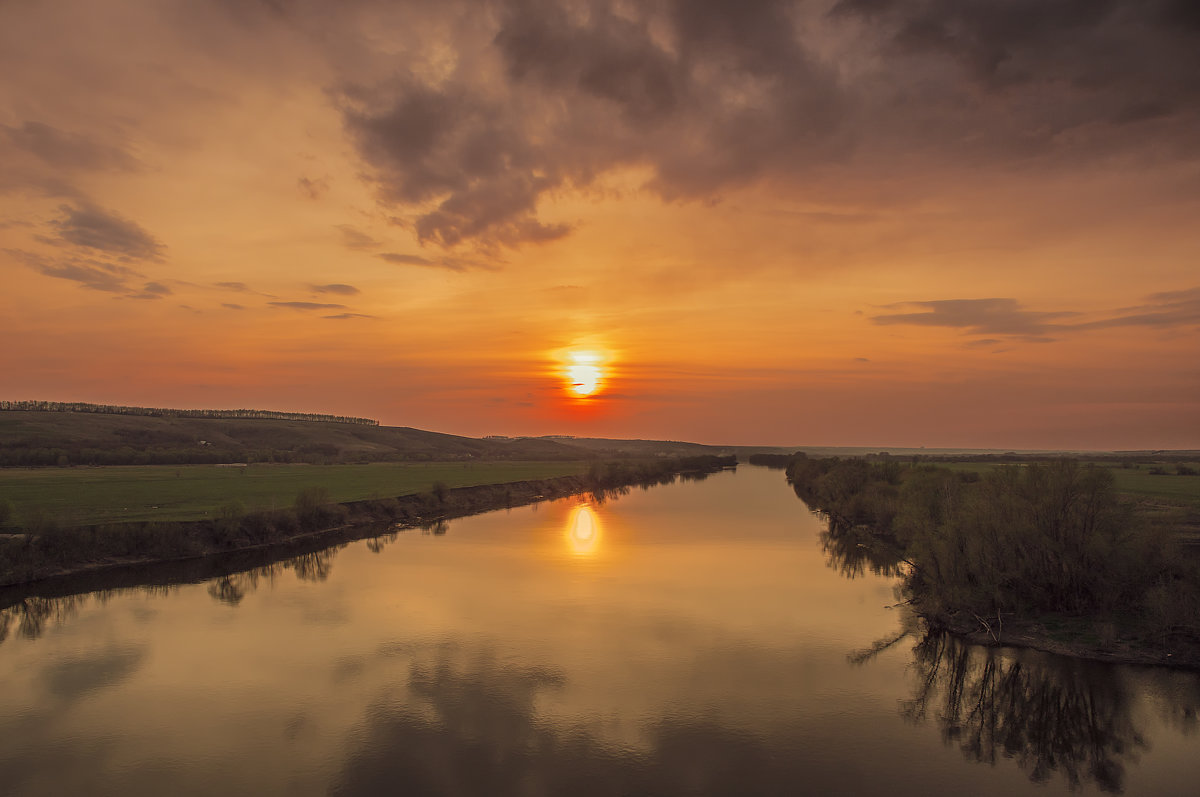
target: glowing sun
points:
(584, 374)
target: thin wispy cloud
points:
(1009, 317)
(306, 305)
(66, 149)
(336, 287)
(977, 316)
(354, 238)
(447, 262)
(89, 273)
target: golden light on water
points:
(583, 531)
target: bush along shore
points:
(44, 549)
(1044, 555)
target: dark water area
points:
(705, 637)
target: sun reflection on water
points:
(583, 531)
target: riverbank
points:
(1043, 556)
(1090, 638)
(55, 553)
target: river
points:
(704, 637)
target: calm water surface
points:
(697, 638)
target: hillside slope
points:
(66, 438)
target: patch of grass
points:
(191, 492)
(1139, 482)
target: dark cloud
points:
(347, 316)
(89, 226)
(705, 96)
(307, 305)
(337, 287)
(231, 306)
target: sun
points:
(584, 373)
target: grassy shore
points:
(78, 496)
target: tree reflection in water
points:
(31, 617)
(1048, 713)
(852, 550)
(314, 566)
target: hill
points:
(70, 438)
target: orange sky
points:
(867, 222)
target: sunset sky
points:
(966, 223)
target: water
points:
(697, 638)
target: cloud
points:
(89, 273)
(406, 260)
(231, 306)
(338, 288)
(307, 305)
(313, 189)
(1167, 309)
(447, 262)
(705, 96)
(67, 151)
(353, 238)
(157, 288)
(152, 290)
(241, 287)
(1009, 317)
(46, 161)
(345, 316)
(89, 226)
(979, 316)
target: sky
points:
(949, 223)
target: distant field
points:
(187, 492)
(1137, 481)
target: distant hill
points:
(86, 438)
(637, 448)
(167, 412)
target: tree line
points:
(1018, 541)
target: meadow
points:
(1138, 480)
(86, 495)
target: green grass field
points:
(1138, 481)
(188, 492)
